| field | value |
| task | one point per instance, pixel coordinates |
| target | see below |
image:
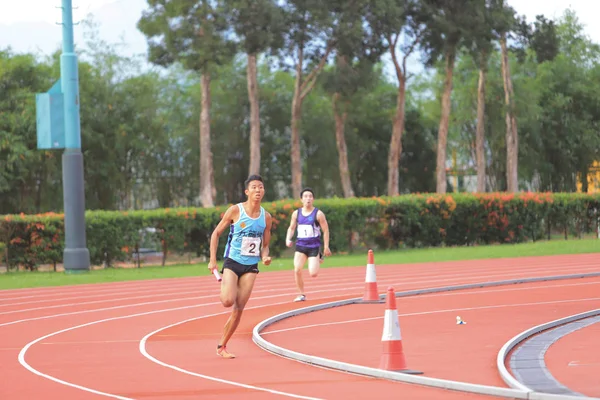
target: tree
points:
(447, 22)
(309, 40)
(569, 102)
(391, 21)
(481, 46)
(506, 23)
(193, 33)
(259, 24)
(357, 50)
(25, 171)
(544, 40)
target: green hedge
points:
(416, 220)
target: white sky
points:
(32, 22)
(45, 10)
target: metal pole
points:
(76, 256)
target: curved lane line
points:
(497, 391)
(27, 366)
(165, 301)
(350, 321)
(379, 373)
(144, 351)
(528, 362)
(382, 296)
(507, 377)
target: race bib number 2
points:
(250, 246)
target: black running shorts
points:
(309, 251)
(239, 269)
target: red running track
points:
(574, 360)
(432, 341)
(81, 341)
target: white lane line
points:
(26, 365)
(580, 364)
(103, 309)
(215, 289)
(43, 375)
(169, 290)
(350, 321)
(144, 351)
(299, 327)
(167, 301)
(76, 290)
(383, 282)
(193, 281)
(475, 291)
(103, 301)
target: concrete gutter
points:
(514, 392)
(509, 379)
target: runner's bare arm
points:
(291, 229)
(325, 229)
(228, 217)
(266, 259)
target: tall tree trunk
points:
(444, 122)
(207, 180)
(399, 119)
(512, 141)
(585, 171)
(295, 127)
(396, 140)
(301, 89)
(38, 190)
(480, 131)
(254, 115)
(340, 141)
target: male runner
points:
(247, 244)
(310, 222)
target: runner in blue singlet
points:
(247, 244)
(311, 226)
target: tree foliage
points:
(140, 127)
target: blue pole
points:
(76, 257)
(70, 80)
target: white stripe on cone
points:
(371, 275)
(391, 326)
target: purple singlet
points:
(309, 232)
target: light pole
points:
(76, 256)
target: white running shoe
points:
(300, 298)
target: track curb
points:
(511, 392)
(522, 337)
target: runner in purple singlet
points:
(310, 224)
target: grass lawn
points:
(14, 280)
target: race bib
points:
(305, 231)
(250, 246)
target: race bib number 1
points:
(305, 231)
(250, 246)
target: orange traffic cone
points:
(371, 293)
(392, 357)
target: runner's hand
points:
(266, 260)
(327, 252)
(288, 243)
(212, 265)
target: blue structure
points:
(58, 127)
(50, 118)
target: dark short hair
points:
(253, 178)
(307, 189)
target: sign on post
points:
(50, 117)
